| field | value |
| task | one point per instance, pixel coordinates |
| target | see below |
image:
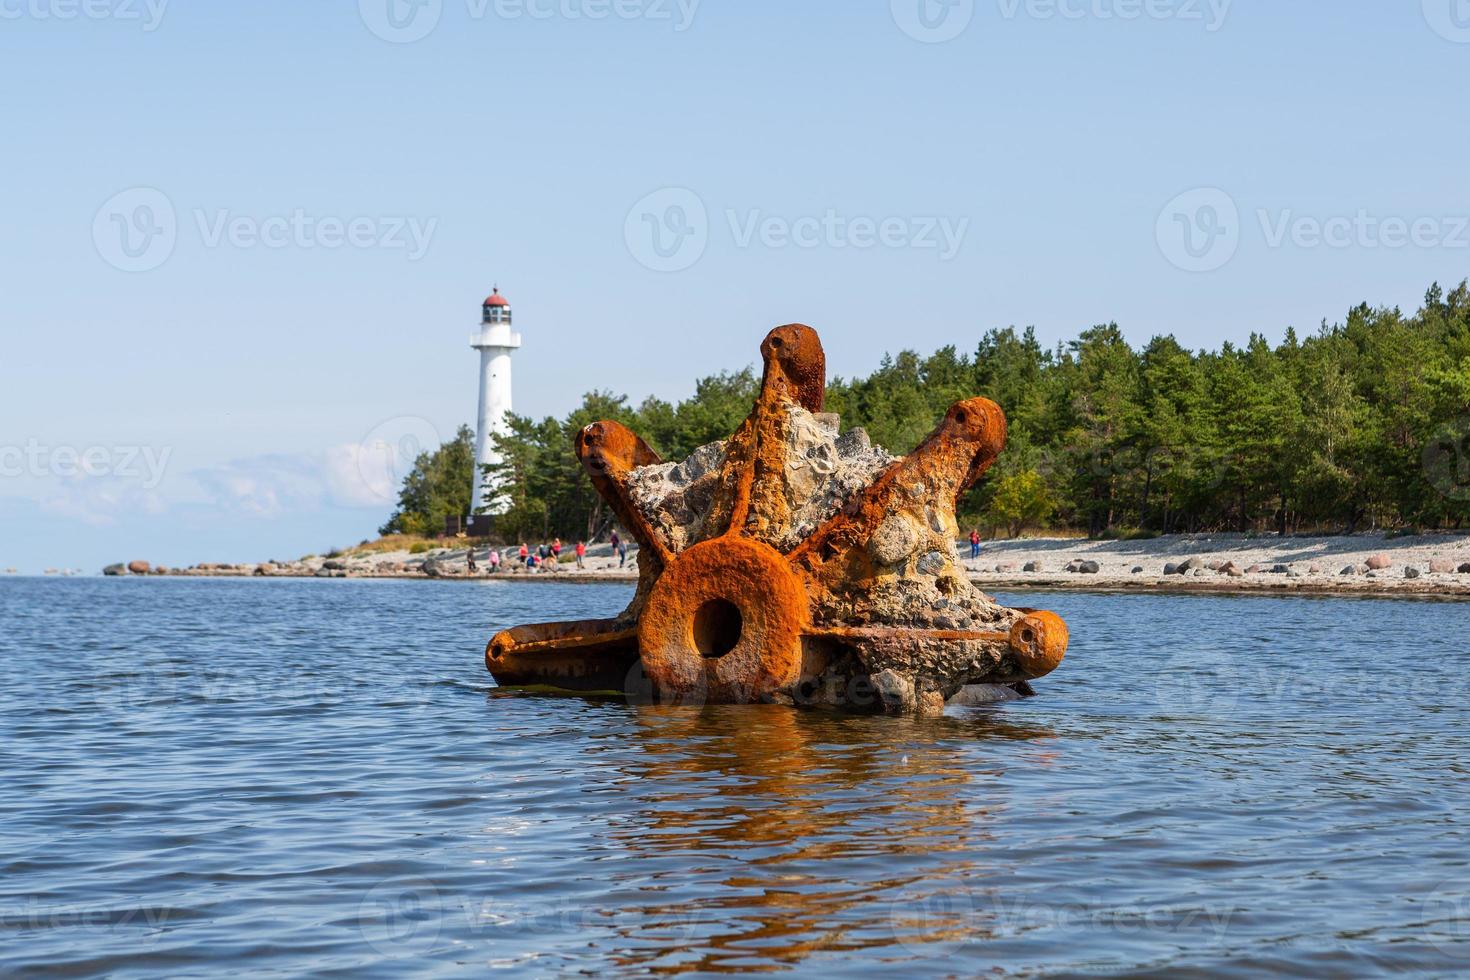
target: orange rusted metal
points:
(800, 566)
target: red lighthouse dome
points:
(496, 308)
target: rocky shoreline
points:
(1367, 564)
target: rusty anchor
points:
(793, 563)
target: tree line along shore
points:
(1363, 425)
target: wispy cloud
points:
(266, 487)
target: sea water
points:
(285, 776)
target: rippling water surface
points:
(292, 776)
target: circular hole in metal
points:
(1028, 637)
(961, 417)
(717, 628)
(777, 342)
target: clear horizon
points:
(246, 246)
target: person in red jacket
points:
(974, 543)
(581, 554)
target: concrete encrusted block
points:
(796, 561)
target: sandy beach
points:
(1364, 564)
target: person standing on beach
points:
(494, 560)
(556, 549)
(469, 559)
(525, 555)
(974, 543)
(581, 554)
(614, 540)
(622, 553)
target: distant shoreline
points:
(1414, 566)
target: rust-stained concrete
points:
(793, 563)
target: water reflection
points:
(779, 833)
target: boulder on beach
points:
(1465, 569)
(1379, 562)
(118, 569)
(1031, 566)
(1411, 572)
(1190, 565)
(139, 567)
(1171, 569)
(1137, 569)
(1350, 570)
(1441, 566)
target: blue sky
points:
(245, 243)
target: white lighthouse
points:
(495, 341)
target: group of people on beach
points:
(545, 557)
